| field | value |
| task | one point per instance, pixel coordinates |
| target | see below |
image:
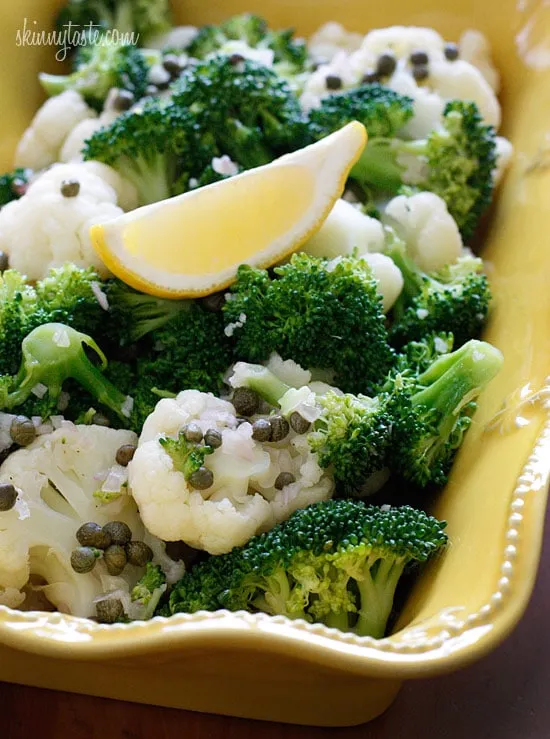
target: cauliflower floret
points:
(178, 37)
(474, 48)
(345, 229)
(388, 276)
(56, 478)
(242, 500)
(505, 152)
(44, 229)
(401, 40)
(430, 232)
(42, 141)
(331, 38)
(428, 105)
(74, 143)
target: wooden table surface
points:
(505, 696)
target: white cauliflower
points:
(41, 143)
(388, 276)
(178, 37)
(56, 478)
(504, 152)
(345, 229)
(74, 142)
(474, 48)
(45, 229)
(242, 500)
(331, 38)
(428, 229)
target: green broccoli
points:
(148, 591)
(186, 456)
(53, 353)
(145, 18)
(18, 304)
(288, 52)
(456, 299)
(100, 67)
(14, 184)
(336, 562)
(431, 408)
(320, 314)
(459, 159)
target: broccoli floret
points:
(186, 456)
(351, 434)
(288, 52)
(145, 18)
(52, 354)
(250, 111)
(458, 162)
(320, 314)
(456, 299)
(14, 184)
(100, 67)
(151, 146)
(431, 409)
(382, 111)
(148, 591)
(336, 562)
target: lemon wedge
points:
(192, 244)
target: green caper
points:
(70, 188)
(421, 72)
(193, 432)
(246, 401)
(213, 438)
(279, 428)
(201, 479)
(123, 100)
(261, 430)
(4, 261)
(333, 82)
(8, 496)
(451, 52)
(284, 479)
(138, 553)
(118, 531)
(83, 559)
(418, 56)
(172, 65)
(115, 559)
(22, 431)
(109, 610)
(386, 64)
(299, 423)
(214, 302)
(92, 535)
(125, 454)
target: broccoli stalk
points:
(336, 562)
(53, 353)
(455, 299)
(456, 162)
(431, 410)
(99, 68)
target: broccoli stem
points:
(378, 166)
(151, 177)
(55, 84)
(376, 592)
(53, 353)
(337, 620)
(262, 381)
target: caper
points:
(421, 72)
(118, 531)
(83, 559)
(99, 419)
(386, 64)
(214, 302)
(171, 64)
(261, 430)
(279, 428)
(299, 423)
(138, 553)
(4, 261)
(201, 479)
(284, 479)
(22, 430)
(236, 59)
(115, 559)
(213, 438)
(8, 496)
(125, 454)
(333, 82)
(93, 535)
(109, 610)
(418, 56)
(123, 100)
(70, 188)
(19, 187)
(451, 52)
(369, 77)
(246, 401)
(193, 432)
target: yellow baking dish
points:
(467, 601)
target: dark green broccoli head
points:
(431, 410)
(337, 562)
(456, 299)
(18, 307)
(13, 184)
(99, 68)
(382, 111)
(318, 313)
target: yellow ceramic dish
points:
(466, 602)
